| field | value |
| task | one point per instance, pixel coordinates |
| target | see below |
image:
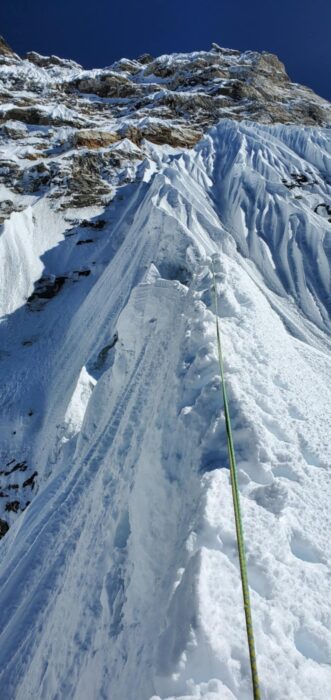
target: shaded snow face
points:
(120, 579)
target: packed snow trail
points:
(121, 579)
(237, 511)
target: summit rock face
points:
(51, 108)
(195, 89)
(124, 193)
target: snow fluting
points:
(119, 575)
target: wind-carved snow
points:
(121, 579)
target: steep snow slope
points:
(121, 579)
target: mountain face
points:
(121, 190)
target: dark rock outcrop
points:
(94, 138)
(4, 527)
(5, 49)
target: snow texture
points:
(121, 578)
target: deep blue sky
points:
(95, 33)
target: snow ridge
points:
(119, 575)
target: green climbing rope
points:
(237, 513)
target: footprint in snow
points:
(312, 646)
(243, 299)
(305, 550)
(273, 427)
(264, 405)
(254, 472)
(279, 382)
(259, 580)
(295, 413)
(310, 457)
(272, 497)
(285, 471)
